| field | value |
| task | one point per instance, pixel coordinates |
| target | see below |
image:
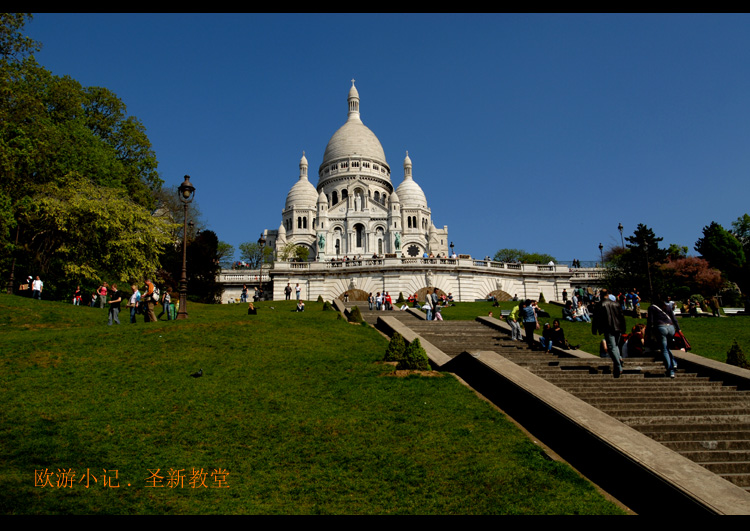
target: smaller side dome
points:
(409, 192)
(303, 194)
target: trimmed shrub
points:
(320, 298)
(415, 358)
(355, 316)
(542, 300)
(396, 348)
(327, 307)
(401, 298)
(736, 356)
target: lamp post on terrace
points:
(451, 246)
(601, 256)
(186, 193)
(262, 246)
(622, 242)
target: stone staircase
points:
(703, 420)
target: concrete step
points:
(739, 479)
(727, 467)
(708, 446)
(687, 433)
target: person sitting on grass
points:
(251, 309)
(300, 306)
(568, 313)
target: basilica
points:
(355, 211)
(364, 236)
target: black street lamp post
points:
(622, 242)
(186, 192)
(262, 246)
(601, 255)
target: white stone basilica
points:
(388, 237)
(355, 211)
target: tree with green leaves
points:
(414, 358)
(637, 266)
(255, 254)
(55, 137)
(519, 255)
(85, 233)
(723, 251)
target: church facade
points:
(364, 235)
(355, 211)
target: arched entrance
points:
(422, 293)
(499, 295)
(355, 295)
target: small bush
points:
(355, 316)
(415, 358)
(327, 307)
(401, 298)
(542, 300)
(736, 356)
(396, 348)
(320, 298)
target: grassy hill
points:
(293, 415)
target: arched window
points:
(299, 222)
(335, 198)
(304, 223)
(360, 232)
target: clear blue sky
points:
(540, 132)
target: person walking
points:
(661, 320)
(515, 327)
(133, 302)
(102, 292)
(166, 300)
(530, 323)
(610, 321)
(114, 305)
(428, 305)
(36, 288)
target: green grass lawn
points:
(293, 415)
(710, 337)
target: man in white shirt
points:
(36, 288)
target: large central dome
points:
(354, 140)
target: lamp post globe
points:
(186, 193)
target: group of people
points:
(288, 291)
(576, 311)
(661, 325)
(607, 319)
(526, 314)
(380, 301)
(258, 293)
(137, 301)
